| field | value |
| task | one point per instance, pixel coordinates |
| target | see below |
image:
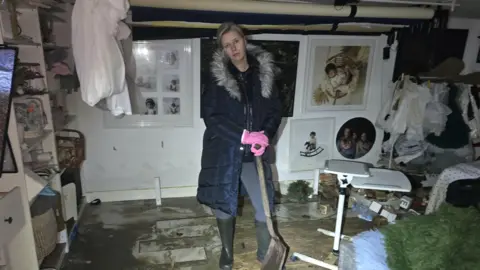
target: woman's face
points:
(346, 132)
(234, 46)
(363, 137)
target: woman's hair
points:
(228, 27)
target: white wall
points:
(122, 163)
(473, 42)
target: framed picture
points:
(358, 139)
(338, 73)
(355, 138)
(285, 50)
(311, 143)
(164, 78)
(9, 164)
(8, 58)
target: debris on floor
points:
(181, 234)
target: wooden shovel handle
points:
(263, 189)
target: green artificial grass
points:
(446, 240)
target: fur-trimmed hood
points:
(223, 77)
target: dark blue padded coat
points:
(227, 113)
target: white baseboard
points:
(140, 194)
(147, 194)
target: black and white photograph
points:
(356, 138)
(168, 59)
(151, 106)
(285, 54)
(171, 83)
(171, 106)
(167, 82)
(145, 66)
(146, 83)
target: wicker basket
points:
(70, 148)
(328, 186)
(45, 234)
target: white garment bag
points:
(96, 31)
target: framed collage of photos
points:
(163, 77)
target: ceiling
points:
(467, 8)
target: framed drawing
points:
(9, 164)
(285, 50)
(8, 58)
(311, 143)
(164, 78)
(339, 73)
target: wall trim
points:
(140, 194)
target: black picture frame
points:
(8, 60)
(9, 164)
(478, 55)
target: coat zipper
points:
(247, 109)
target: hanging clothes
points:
(405, 112)
(469, 107)
(97, 28)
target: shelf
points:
(24, 42)
(31, 143)
(35, 184)
(25, 64)
(51, 46)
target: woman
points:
(241, 109)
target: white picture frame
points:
(157, 61)
(350, 61)
(303, 156)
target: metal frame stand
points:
(345, 180)
(381, 179)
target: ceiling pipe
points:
(452, 3)
(279, 8)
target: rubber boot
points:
(226, 228)
(263, 239)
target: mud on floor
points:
(181, 234)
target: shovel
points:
(277, 250)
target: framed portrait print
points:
(338, 73)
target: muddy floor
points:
(181, 234)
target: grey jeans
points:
(251, 182)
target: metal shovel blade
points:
(275, 257)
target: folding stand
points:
(359, 176)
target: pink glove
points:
(258, 149)
(254, 138)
